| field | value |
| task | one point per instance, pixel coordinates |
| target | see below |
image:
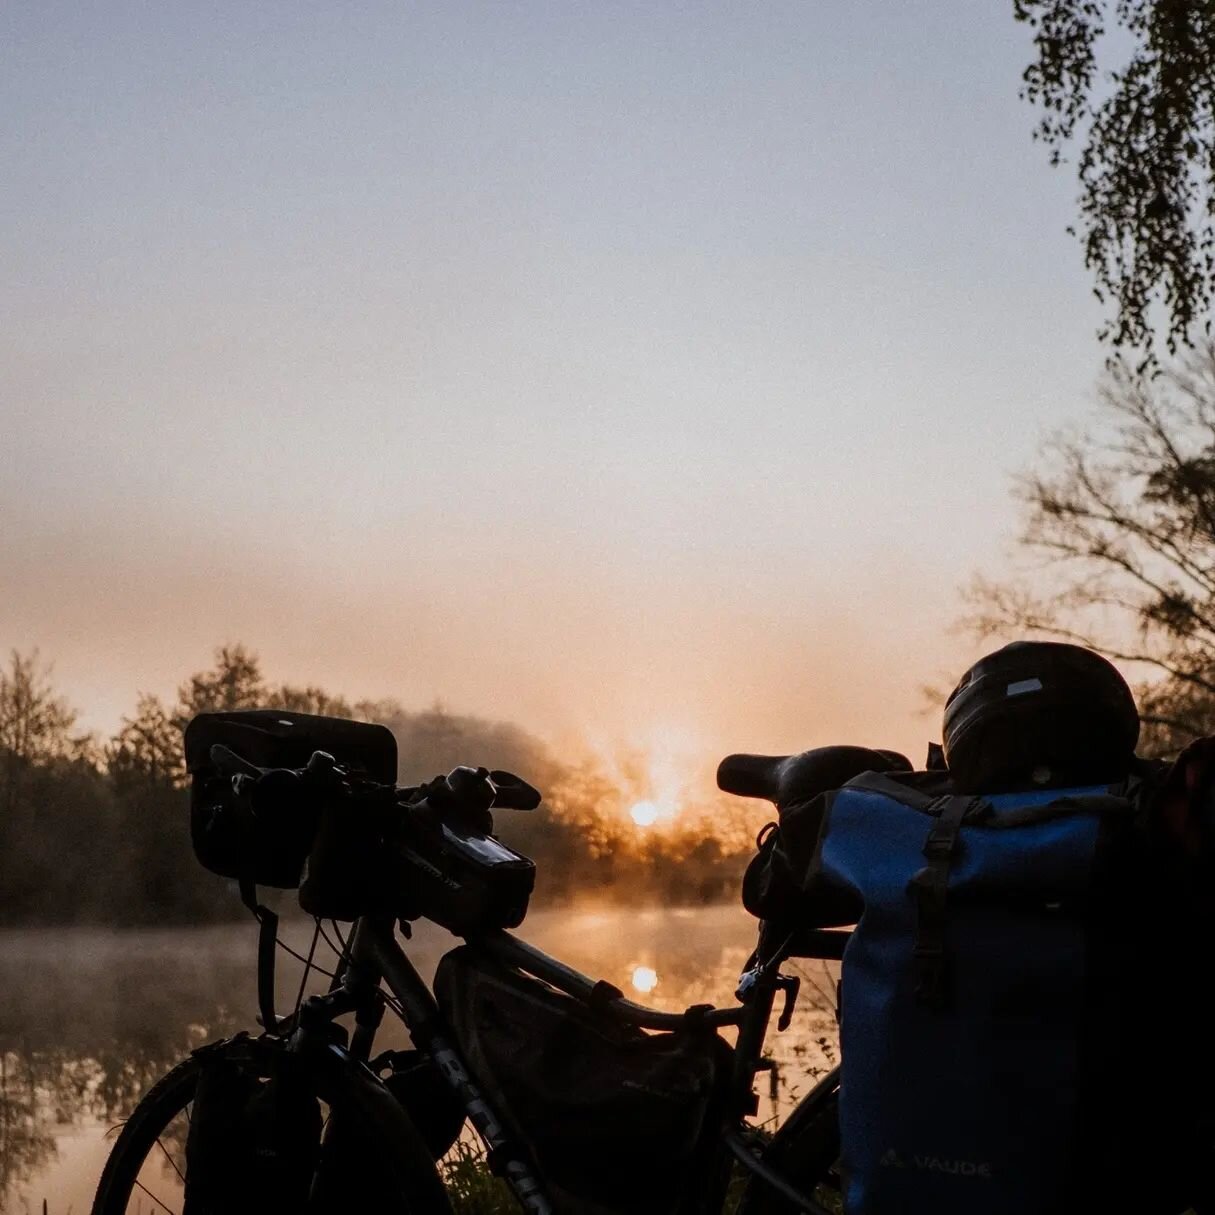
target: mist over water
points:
(91, 1018)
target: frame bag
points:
(615, 1120)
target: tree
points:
(147, 748)
(1147, 160)
(54, 808)
(235, 682)
(35, 725)
(156, 875)
(1124, 516)
(309, 699)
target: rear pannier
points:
(614, 1118)
(1019, 960)
(266, 839)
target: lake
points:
(89, 1018)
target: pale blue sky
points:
(608, 367)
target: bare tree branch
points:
(1122, 520)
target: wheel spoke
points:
(163, 1206)
(165, 1151)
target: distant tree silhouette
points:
(1123, 517)
(55, 811)
(309, 700)
(147, 748)
(35, 723)
(100, 834)
(235, 682)
(1146, 130)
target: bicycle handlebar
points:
(227, 763)
(462, 789)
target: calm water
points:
(88, 1019)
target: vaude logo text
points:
(893, 1159)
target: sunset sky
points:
(622, 370)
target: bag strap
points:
(267, 941)
(931, 889)
(1094, 803)
(907, 795)
(267, 933)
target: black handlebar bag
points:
(266, 840)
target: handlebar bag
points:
(1013, 956)
(467, 880)
(615, 1120)
(268, 843)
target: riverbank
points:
(91, 1017)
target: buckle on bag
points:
(931, 976)
(941, 842)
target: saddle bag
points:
(267, 844)
(1021, 1005)
(614, 1119)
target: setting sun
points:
(645, 978)
(644, 814)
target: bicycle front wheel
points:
(146, 1171)
(805, 1152)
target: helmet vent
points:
(1022, 686)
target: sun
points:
(644, 814)
(645, 978)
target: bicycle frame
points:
(375, 955)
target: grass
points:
(474, 1190)
(471, 1187)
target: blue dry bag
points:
(1017, 1004)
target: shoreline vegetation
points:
(95, 831)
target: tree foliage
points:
(147, 748)
(1146, 131)
(1123, 520)
(235, 682)
(101, 834)
(35, 723)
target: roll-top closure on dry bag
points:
(950, 818)
(1001, 810)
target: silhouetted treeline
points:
(96, 830)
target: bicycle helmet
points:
(1039, 712)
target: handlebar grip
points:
(512, 792)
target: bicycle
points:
(796, 1170)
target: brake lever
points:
(228, 763)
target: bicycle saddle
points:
(788, 778)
